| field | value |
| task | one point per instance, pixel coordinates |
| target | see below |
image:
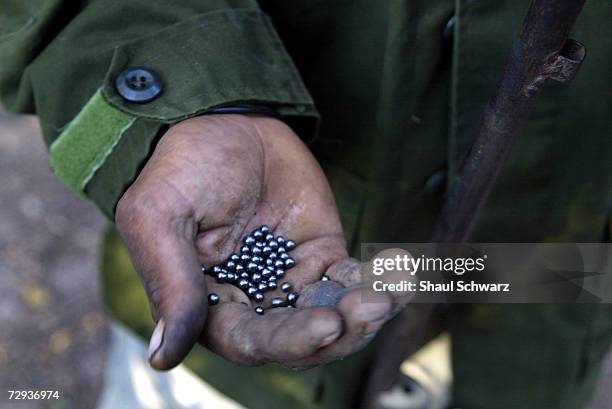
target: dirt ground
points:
(53, 330)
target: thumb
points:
(163, 252)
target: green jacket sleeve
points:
(60, 60)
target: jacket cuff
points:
(215, 59)
(219, 58)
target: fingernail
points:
(157, 338)
(330, 338)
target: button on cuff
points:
(138, 84)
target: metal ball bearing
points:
(262, 260)
(213, 299)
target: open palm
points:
(210, 181)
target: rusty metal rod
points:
(542, 50)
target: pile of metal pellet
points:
(260, 267)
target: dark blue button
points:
(436, 183)
(138, 84)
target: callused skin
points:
(211, 180)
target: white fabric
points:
(130, 383)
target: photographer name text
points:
(433, 287)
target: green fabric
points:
(400, 104)
(57, 53)
(216, 67)
(559, 361)
(123, 164)
(87, 141)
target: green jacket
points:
(399, 84)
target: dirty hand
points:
(210, 181)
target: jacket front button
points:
(138, 85)
(436, 183)
(449, 28)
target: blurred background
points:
(56, 331)
(66, 282)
